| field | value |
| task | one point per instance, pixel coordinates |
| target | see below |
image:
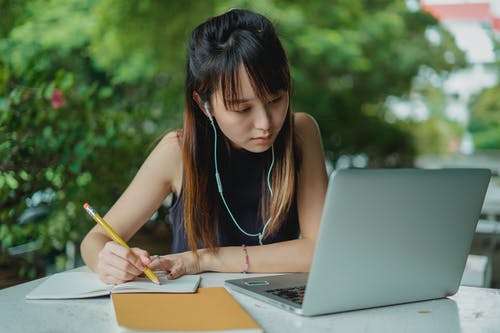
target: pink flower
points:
(57, 100)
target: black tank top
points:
(242, 184)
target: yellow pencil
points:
(111, 233)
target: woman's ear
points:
(203, 105)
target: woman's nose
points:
(262, 119)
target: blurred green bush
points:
(485, 119)
(66, 128)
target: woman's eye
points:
(242, 110)
(276, 100)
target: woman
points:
(248, 174)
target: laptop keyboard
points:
(294, 294)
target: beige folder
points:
(209, 309)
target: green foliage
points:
(485, 119)
(86, 86)
(65, 127)
(347, 57)
(140, 39)
(11, 12)
(53, 146)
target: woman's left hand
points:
(177, 264)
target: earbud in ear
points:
(206, 106)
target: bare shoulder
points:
(313, 179)
(310, 145)
(306, 127)
(169, 147)
(166, 159)
(172, 141)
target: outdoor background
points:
(87, 87)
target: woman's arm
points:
(158, 176)
(289, 256)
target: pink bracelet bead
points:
(247, 259)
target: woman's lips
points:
(262, 138)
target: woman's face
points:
(250, 123)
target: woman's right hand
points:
(117, 264)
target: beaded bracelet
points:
(247, 260)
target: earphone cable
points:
(219, 186)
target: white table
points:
(470, 310)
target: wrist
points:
(204, 259)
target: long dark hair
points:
(217, 49)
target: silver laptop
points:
(387, 236)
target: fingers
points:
(118, 264)
(143, 256)
(178, 269)
(129, 261)
(163, 263)
(177, 264)
(157, 262)
(116, 276)
(172, 265)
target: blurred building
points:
(465, 12)
(475, 24)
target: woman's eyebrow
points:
(246, 100)
(237, 101)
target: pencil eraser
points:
(85, 205)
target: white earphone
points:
(219, 183)
(205, 105)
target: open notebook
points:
(69, 285)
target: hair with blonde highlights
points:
(217, 49)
